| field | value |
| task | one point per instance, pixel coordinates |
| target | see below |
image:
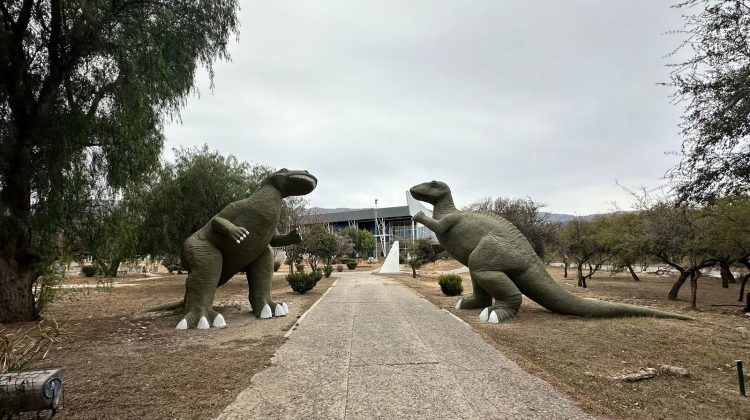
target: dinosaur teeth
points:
(306, 178)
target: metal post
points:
(740, 377)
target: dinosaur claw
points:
(251, 306)
(238, 241)
(266, 312)
(182, 325)
(493, 318)
(203, 324)
(484, 316)
(219, 321)
(279, 310)
(458, 304)
(286, 308)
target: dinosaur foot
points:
(198, 318)
(496, 314)
(473, 302)
(279, 309)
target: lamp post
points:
(377, 229)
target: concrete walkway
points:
(372, 348)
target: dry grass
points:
(122, 363)
(581, 355)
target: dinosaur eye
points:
(433, 182)
(283, 170)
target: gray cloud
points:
(551, 100)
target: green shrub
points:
(317, 275)
(89, 270)
(346, 260)
(300, 267)
(339, 268)
(351, 265)
(302, 282)
(276, 266)
(48, 287)
(327, 270)
(450, 284)
(401, 259)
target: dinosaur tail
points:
(167, 306)
(540, 288)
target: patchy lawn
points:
(122, 363)
(580, 356)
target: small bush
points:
(401, 259)
(317, 275)
(339, 268)
(351, 265)
(302, 282)
(89, 270)
(300, 267)
(346, 260)
(276, 266)
(450, 284)
(327, 270)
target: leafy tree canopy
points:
(190, 191)
(714, 84)
(85, 87)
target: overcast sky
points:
(553, 100)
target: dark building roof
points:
(364, 214)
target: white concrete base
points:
(391, 264)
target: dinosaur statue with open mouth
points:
(239, 238)
(503, 265)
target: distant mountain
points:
(563, 218)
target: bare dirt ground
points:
(122, 363)
(580, 356)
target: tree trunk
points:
(726, 274)
(742, 287)
(676, 286)
(565, 268)
(632, 272)
(581, 278)
(113, 268)
(413, 272)
(16, 291)
(694, 276)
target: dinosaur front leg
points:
(259, 275)
(290, 238)
(205, 262)
(437, 226)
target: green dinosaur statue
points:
(239, 237)
(503, 264)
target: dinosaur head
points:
(290, 182)
(430, 192)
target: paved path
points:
(372, 348)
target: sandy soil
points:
(122, 363)
(581, 356)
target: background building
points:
(387, 224)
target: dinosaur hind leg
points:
(259, 275)
(205, 262)
(478, 299)
(507, 296)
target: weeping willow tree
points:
(85, 88)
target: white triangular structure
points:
(391, 265)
